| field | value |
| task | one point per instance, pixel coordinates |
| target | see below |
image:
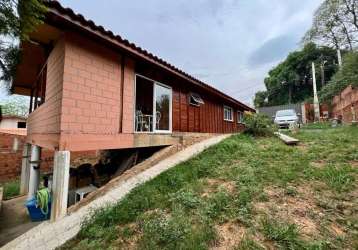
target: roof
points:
(66, 15)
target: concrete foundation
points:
(61, 172)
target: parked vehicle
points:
(285, 118)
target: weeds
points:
(179, 209)
(10, 189)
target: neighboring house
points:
(12, 122)
(93, 90)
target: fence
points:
(271, 111)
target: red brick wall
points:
(344, 102)
(10, 161)
(91, 88)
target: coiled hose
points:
(42, 199)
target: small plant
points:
(291, 191)
(284, 234)
(248, 244)
(186, 199)
(340, 178)
(11, 189)
(258, 124)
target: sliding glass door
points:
(162, 112)
(153, 107)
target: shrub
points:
(258, 124)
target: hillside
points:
(243, 193)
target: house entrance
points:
(153, 106)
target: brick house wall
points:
(10, 160)
(344, 102)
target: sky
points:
(229, 44)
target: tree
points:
(18, 18)
(17, 105)
(260, 99)
(291, 80)
(335, 24)
(347, 75)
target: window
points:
(228, 115)
(240, 117)
(195, 99)
(21, 124)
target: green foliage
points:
(17, 20)
(295, 75)
(16, 105)
(11, 189)
(340, 178)
(176, 231)
(347, 75)
(285, 234)
(258, 125)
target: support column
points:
(61, 172)
(25, 170)
(34, 179)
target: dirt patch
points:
(318, 164)
(354, 164)
(215, 184)
(302, 146)
(229, 235)
(299, 209)
(131, 241)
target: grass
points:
(10, 189)
(273, 193)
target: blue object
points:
(35, 212)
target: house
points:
(12, 122)
(93, 90)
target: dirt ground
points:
(14, 219)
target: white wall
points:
(10, 122)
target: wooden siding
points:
(207, 118)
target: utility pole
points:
(315, 97)
(339, 58)
(322, 73)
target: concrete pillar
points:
(34, 179)
(61, 172)
(25, 170)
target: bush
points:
(258, 124)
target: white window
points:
(195, 99)
(240, 117)
(228, 114)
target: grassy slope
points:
(244, 193)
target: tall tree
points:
(18, 18)
(335, 24)
(291, 80)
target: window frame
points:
(225, 108)
(240, 121)
(197, 100)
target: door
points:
(162, 108)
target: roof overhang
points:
(33, 57)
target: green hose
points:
(42, 199)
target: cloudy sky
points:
(230, 44)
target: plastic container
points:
(35, 212)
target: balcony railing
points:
(38, 89)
